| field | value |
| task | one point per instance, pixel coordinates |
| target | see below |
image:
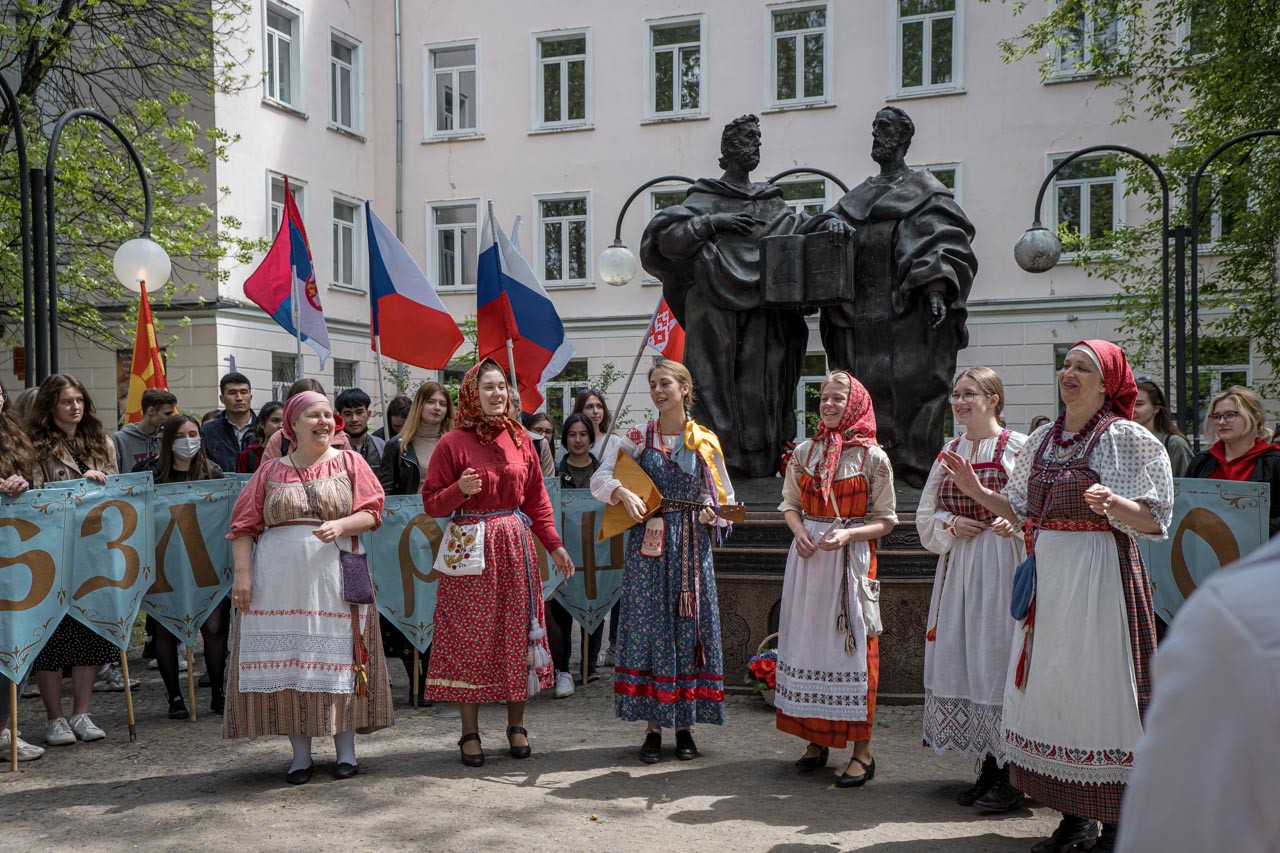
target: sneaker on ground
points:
(182, 660)
(26, 751)
(58, 733)
(564, 685)
(608, 656)
(84, 727)
(112, 681)
(30, 689)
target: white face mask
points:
(186, 448)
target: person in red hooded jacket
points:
(1242, 451)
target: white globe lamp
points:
(142, 262)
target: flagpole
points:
(297, 329)
(511, 349)
(635, 366)
(382, 396)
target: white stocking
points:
(345, 745)
(301, 752)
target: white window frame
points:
(536, 64)
(957, 50)
(299, 189)
(808, 179)
(1058, 72)
(958, 168)
(280, 388)
(771, 56)
(430, 131)
(649, 279)
(802, 427)
(433, 263)
(1215, 371)
(650, 54)
(356, 73)
(357, 243)
(296, 64)
(566, 390)
(539, 242)
(1118, 196)
(355, 375)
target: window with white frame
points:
(284, 55)
(799, 54)
(564, 237)
(453, 256)
(1223, 362)
(662, 197)
(1223, 199)
(453, 89)
(561, 392)
(1195, 30)
(346, 242)
(1088, 198)
(562, 86)
(929, 45)
(344, 82)
(948, 174)
(346, 375)
(1093, 43)
(285, 370)
(275, 212)
(809, 394)
(808, 196)
(675, 68)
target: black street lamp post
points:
(24, 226)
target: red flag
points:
(146, 370)
(665, 334)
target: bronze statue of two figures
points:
(889, 268)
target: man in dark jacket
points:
(231, 432)
(138, 442)
(353, 405)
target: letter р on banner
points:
(1215, 522)
(194, 566)
(35, 548)
(596, 586)
(111, 563)
(401, 554)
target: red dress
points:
(479, 652)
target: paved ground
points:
(181, 787)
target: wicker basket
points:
(765, 645)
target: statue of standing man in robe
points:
(745, 358)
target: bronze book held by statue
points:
(808, 270)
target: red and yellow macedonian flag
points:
(146, 370)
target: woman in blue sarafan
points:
(670, 667)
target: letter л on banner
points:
(35, 549)
(596, 586)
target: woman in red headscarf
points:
(1080, 668)
(490, 632)
(837, 499)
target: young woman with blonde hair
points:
(1242, 450)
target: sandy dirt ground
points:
(181, 787)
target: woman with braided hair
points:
(837, 499)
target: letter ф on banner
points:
(35, 549)
(192, 553)
(111, 562)
(1215, 522)
(593, 590)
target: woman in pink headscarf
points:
(304, 661)
(837, 499)
(1079, 673)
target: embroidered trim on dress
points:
(962, 725)
(324, 613)
(1069, 764)
(821, 676)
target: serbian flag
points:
(406, 316)
(146, 370)
(286, 278)
(665, 334)
(511, 303)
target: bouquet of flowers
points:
(762, 673)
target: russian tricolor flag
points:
(406, 316)
(511, 304)
(285, 277)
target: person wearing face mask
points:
(182, 459)
(966, 652)
(1241, 450)
(136, 443)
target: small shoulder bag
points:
(357, 583)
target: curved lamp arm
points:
(806, 170)
(617, 231)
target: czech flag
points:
(287, 277)
(406, 316)
(665, 334)
(512, 304)
(146, 370)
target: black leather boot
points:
(1107, 840)
(986, 778)
(1002, 796)
(1071, 831)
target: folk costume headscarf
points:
(1117, 378)
(471, 414)
(299, 403)
(857, 428)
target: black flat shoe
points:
(218, 702)
(651, 751)
(1072, 831)
(345, 771)
(471, 760)
(868, 773)
(1002, 797)
(519, 751)
(686, 749)
(178, 709)
(300, 777)
(812, 762)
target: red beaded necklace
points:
(1064, 441)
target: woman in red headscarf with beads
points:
(490, 631)
(837, 499)
(1080, 667)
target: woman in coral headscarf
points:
(1079, 673)
(837, 499)
(490, 631)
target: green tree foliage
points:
(1210, 70)
(153, 68)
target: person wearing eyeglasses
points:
(966, 651)
(1242, 451)
(1151, 410)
